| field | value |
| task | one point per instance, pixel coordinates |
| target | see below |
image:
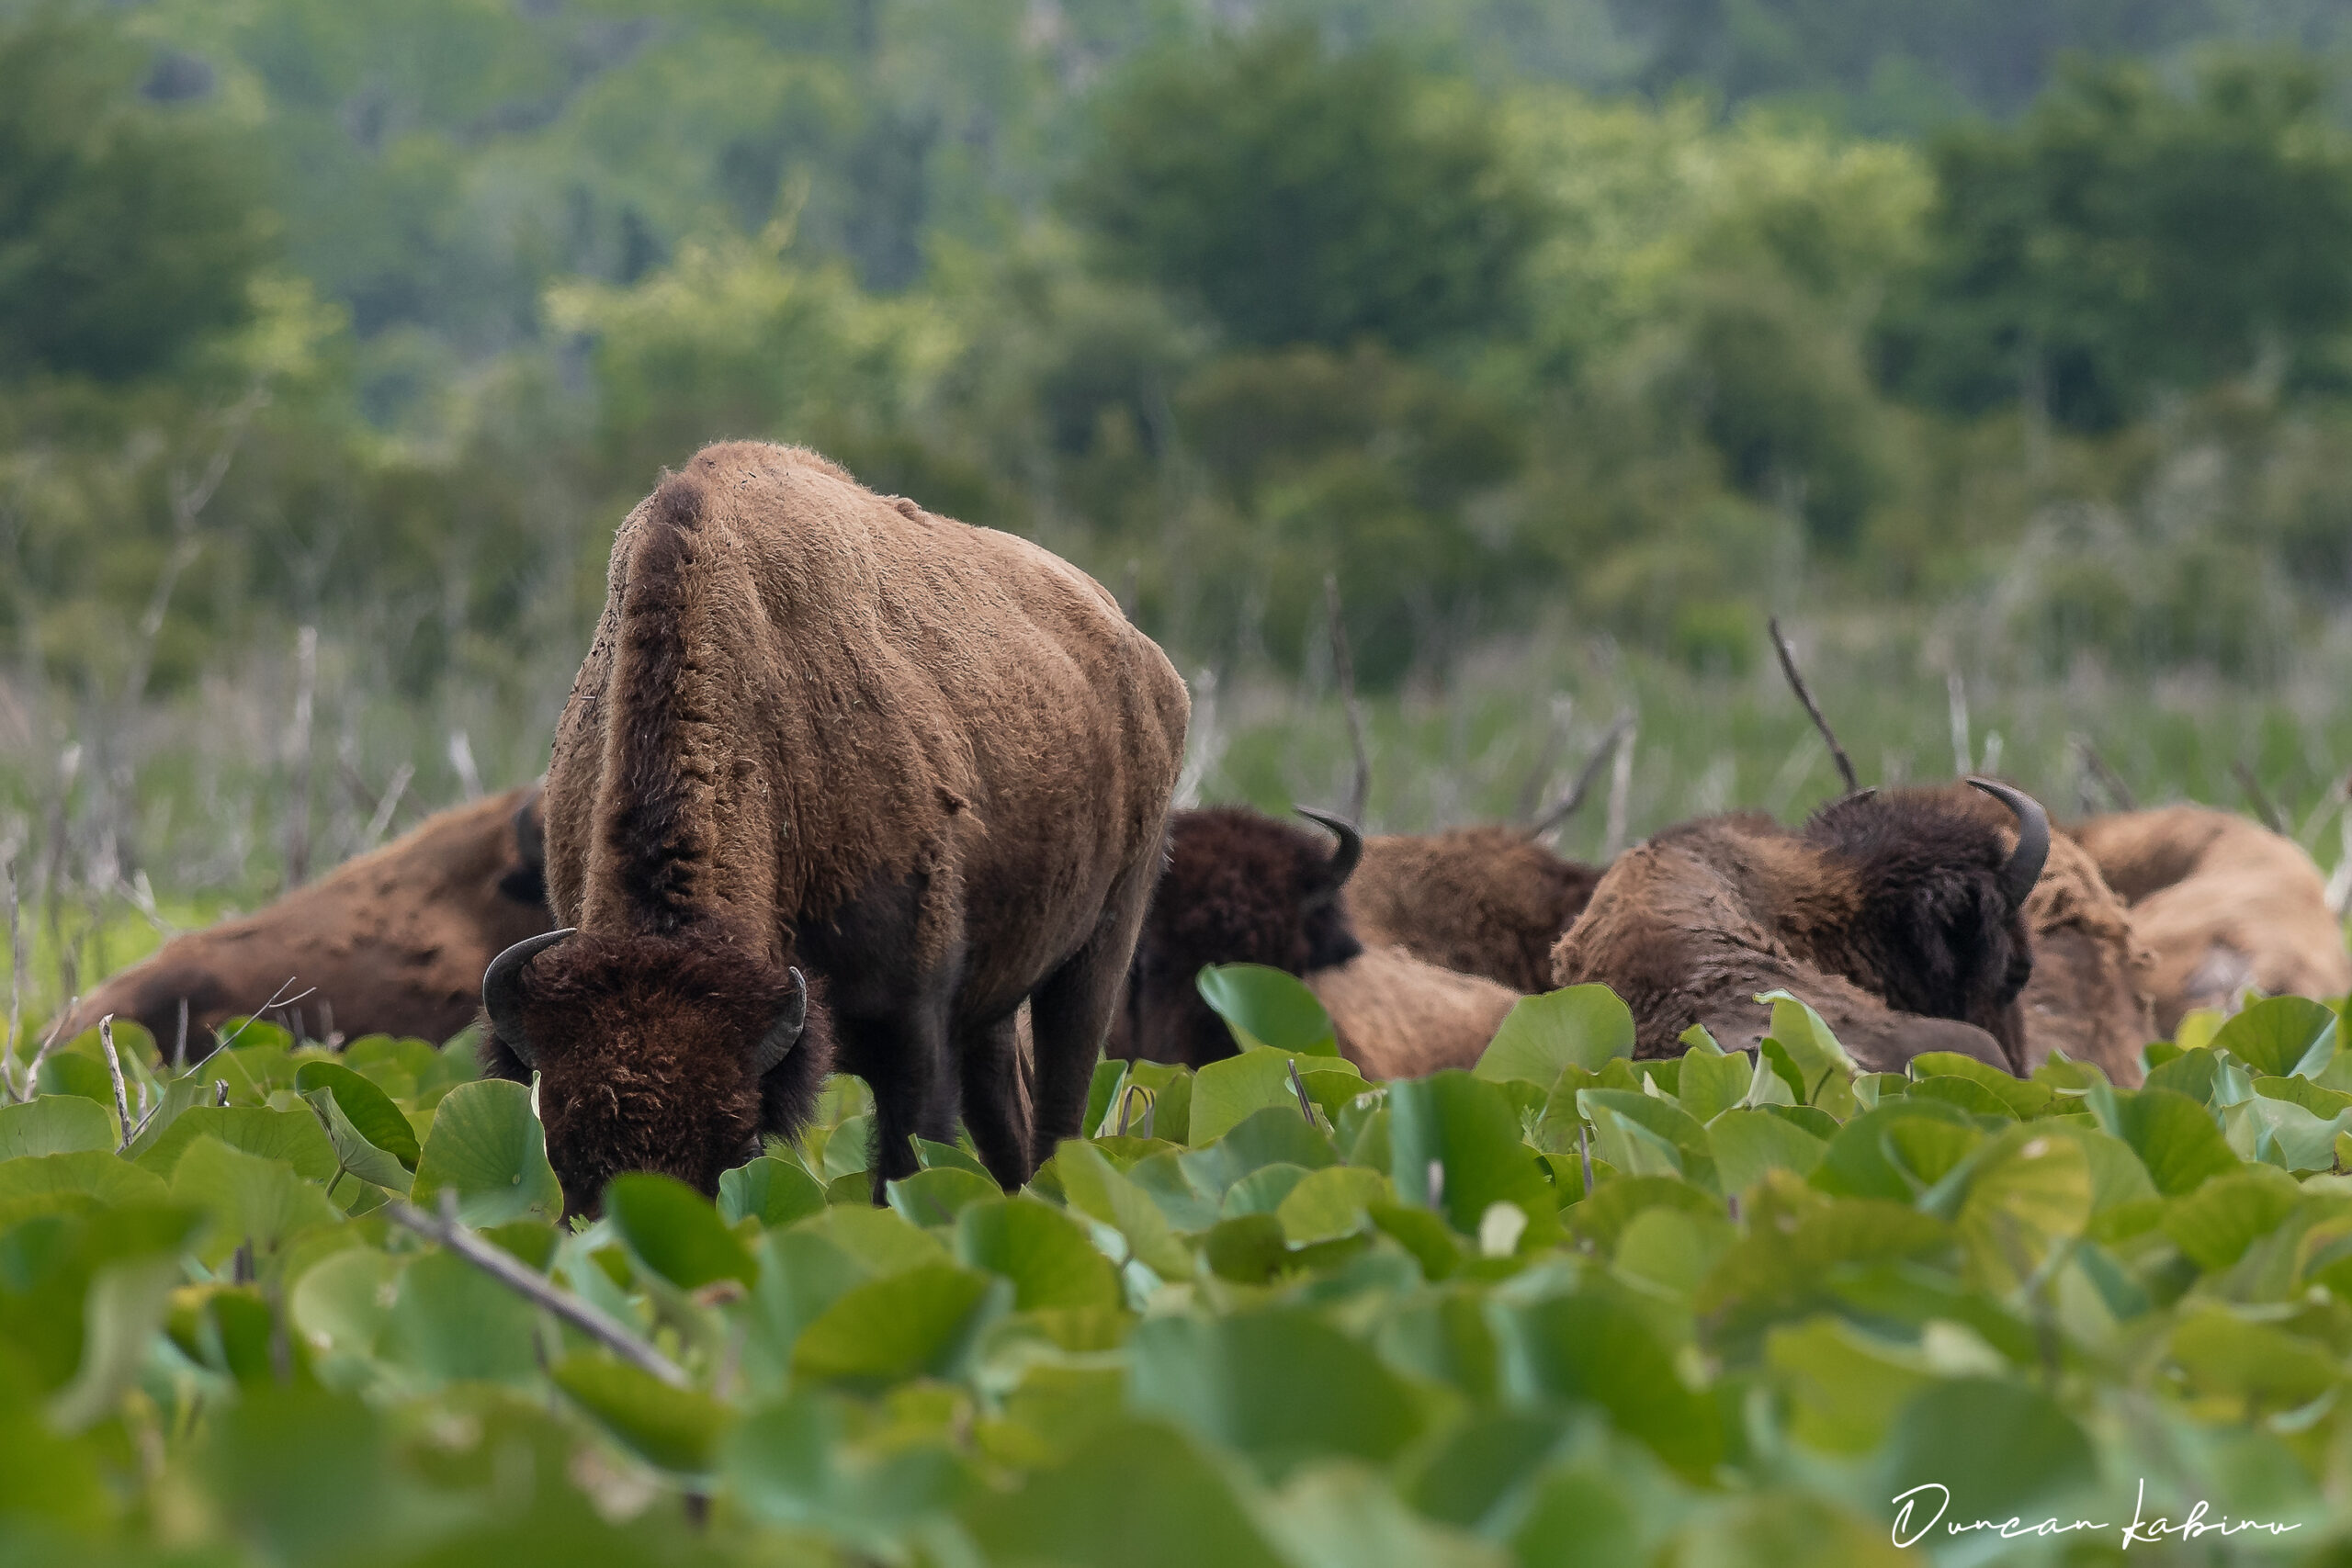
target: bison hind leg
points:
(995, 1111)
(900, 1058)
(1070, 1014)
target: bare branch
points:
(532, 1286)
(1299, 1087)
(114, 1071)
(1805, 695)
(1547, 757)
(2264, 808)
(382, 819)
(1343, 673)
(1570, 802)
(1620, 789)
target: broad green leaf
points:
(2023, 1097)
(251, 1199)
(773, 1191)
(2175, 1137)
(487, 1148)
(355, 1153)
(1672, 1249)
(56, 1125)
(98, 1174)
(1860, 1162)
(2281, 1036)
(1845, 1387)
(1097, 1190)
(1784, 1261)
(1224, 1092)
(674, 1230)
(1333, 1201)
(1823, 1067)
(1454, 1145)
(1262, 1191)
(1344, 1517)
(1277, 1134)
(2256, 1366)
(1264, 1005)
(450, 1321)
(917, 1323)
(2280, 1131)
(1041, 1249)
(2214, 1225)
(2191, 1073)
(1281, 1386)
(369, 1108)
(1602, 1218)
(341, 1307)
(1618, 1117)
(1581, 1026)
(2004, 1451)
(674, 1429)
(933, 1197)
(1712, 1082)
(1746, 1144)
(2028, 1192)
(1590, 1347)
(126, 1301)
(293, 1137)
(1087, 1510)
(796, 1464)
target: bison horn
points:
(2033, 839)
(1351, 850)
(502, 991)
(785, 1032)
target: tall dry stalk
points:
(298, 758)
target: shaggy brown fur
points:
(1239, 888)
(2089, 996)
(1399, 1018)
(2222, 903)
(928, 763)
(1885, 912)
(1487, 900)
(394, 940)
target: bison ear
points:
(785, 1032)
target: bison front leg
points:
(1070, 1014)
(990, 1062)
(901, 1060)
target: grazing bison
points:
(2089, 996)
(1900, 916)
(1487, 900)
(1243, 888)
(823, 727)
(2223, 903)
(391, 942)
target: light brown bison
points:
(1898, 915)
(2223, 903)
(1487, 900)
(1243, 888)
(393, 941)
(2089, 993)
(820, 727)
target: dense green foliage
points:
(1566, 1308)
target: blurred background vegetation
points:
(2003, 347)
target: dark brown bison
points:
(1898, 915)
(391, 942)
(2222, 903)
(1487, 900)
(1244, 888)
(2089, 996)
(823, 727)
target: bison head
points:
(1239, 889)
(1938, 925)
(654, 1052)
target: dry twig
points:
(1805, 695)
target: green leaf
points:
(1347, 1518)
(1463, 1129)
(2259, 1365)
(293, 1137)
(1581, 1026)
(933, 1197)
(773, 1191)
(355, 1153)
(2216, 1225)
(1281, 1386)
(796, 1464)
(1822, 1065)
(486, 1147)
(1098, 1190)
(1333, 1201)
(1266, 1007)
(1712, 1083)
(1781, 1264)
(1590, 1347)
(2028, 1192)
(1862, 1162)
(2175, 1137)
(2281, 1036)
(450, 1321)
(57, 1124)
(100, 1175)
(1088, 1511)
(1846, 1387)
(1620, 1117)
(1224, 1092)
(1747, 1143)
(1041, 1249)
(251, 1199)
(917, 1323)
(2004, 1451)
(2192, 1073)
(2020, 1098)
(673, 1231)
(676, 1429)
(368, 1109)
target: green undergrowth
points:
(1565, 1308)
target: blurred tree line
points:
(379, 315)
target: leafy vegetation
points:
(1565, 1308)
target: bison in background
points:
(2089, 994)
(820, 727)
(1243, 888)
(2223, 903)
(1898, 915)
(393, 941)
(1488, 900)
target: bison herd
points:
(842, 784)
